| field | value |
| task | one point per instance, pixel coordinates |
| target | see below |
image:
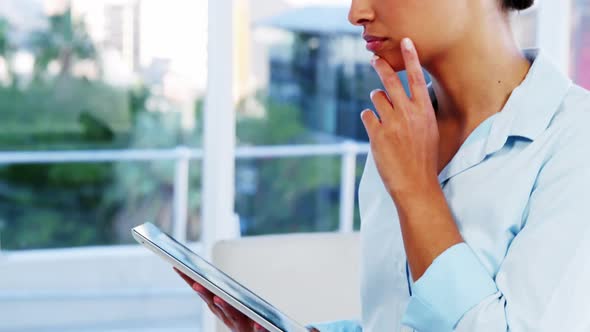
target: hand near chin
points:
(404, 141)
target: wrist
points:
(417, 191)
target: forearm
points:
(443, 267)
(427, 224)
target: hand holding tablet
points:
(239, 308)
(231, 317)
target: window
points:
(307, 85)
(580, 44)
(86, 76)
(95, 96)
(101, 104)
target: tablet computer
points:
(214, 280)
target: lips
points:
(374, 43)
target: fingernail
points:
(219, 302)
(218, 305)
(375, 58)
(407, 44)
(197, 288)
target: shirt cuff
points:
(338, 326)
(454, 283)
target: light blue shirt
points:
(519, 190)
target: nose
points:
(361, 12)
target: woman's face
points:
(433, 25)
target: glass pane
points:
(580, 66)
(307, 84)
(288, 195)
(81, 204)
(81, 76)
(361, 161)
(87, 75)
(194, 229)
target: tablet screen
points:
(207, 271)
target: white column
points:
(219, 131)
(219, 126)
(181, 193)
(554, 31)
(347, 187)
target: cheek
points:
(395, 60)
(432, 24)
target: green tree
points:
(64, 41)
(59, 205)
(6, 47)
(289, 194)
(4, 41)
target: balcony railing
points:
(124, 263)
(181, 156)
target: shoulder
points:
(577, 101)
(565, 144)
(567, 141)
(571, 123)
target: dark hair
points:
(517, 4)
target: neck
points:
(473, 80)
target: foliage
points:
(50, 205)
(146, 188)
(54, 205)
(5, 46)
(291, 194)
(62, 205)
(46, 115)
(64, 41)
(6, 49)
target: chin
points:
(396, 61)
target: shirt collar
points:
(532, 105)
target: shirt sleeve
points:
(339, 326)
(542, 284)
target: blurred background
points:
(102, 127)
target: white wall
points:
(93, 289)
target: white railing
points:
(349, 151)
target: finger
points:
(416, 80)
(221, 316)
(237, 318)
(391, 82)
(370, 121)
(382, 103)
(194, 285)
(228, 310)
(184, 277)
(259, 328)
(235, 315)
(203, 292)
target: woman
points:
(474, 200)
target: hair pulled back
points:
(517, 4)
